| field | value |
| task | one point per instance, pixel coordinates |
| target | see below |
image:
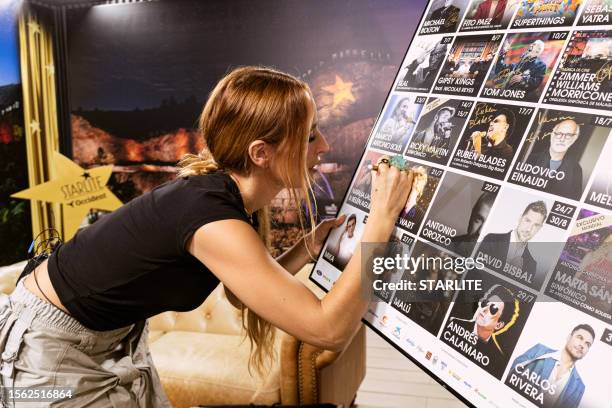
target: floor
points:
(394, 381)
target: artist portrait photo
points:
(558, 367)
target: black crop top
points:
(132, 263)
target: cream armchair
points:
(201, 358)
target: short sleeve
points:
(202, 207)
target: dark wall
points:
(138, 75)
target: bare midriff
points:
(48, 293)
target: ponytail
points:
(197, 164)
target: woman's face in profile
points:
(317, 143)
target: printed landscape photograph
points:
(140, 73)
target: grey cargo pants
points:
(42, 347)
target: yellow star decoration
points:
(34, 126)
(341, 90)
(77, 189)
(50, 69)
(34, 27)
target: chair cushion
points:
(215, 315)
(204, 368)
(155, 334)
(9, 275)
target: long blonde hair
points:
(248, 104)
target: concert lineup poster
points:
(361, 191)
(397, 122)
(524, 236)
(556, 332)
(522, 68)
(443, 16)
(467, 64)
(458, 212)
(400, 244)
(424, 185)
(546, 13)
(484, 325)
(343, 240)
(583, 77)
(491, 138)
(560, 152)
(426, 308)
(422, 63)
(596, 12)
(438, 129)
(582, 277)
(489, 15)
(600, 192)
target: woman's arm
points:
(295, 257)
(233, 251)
(306, 249)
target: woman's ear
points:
(260, 153)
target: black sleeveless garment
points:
(132, 263)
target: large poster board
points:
(506, 109)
